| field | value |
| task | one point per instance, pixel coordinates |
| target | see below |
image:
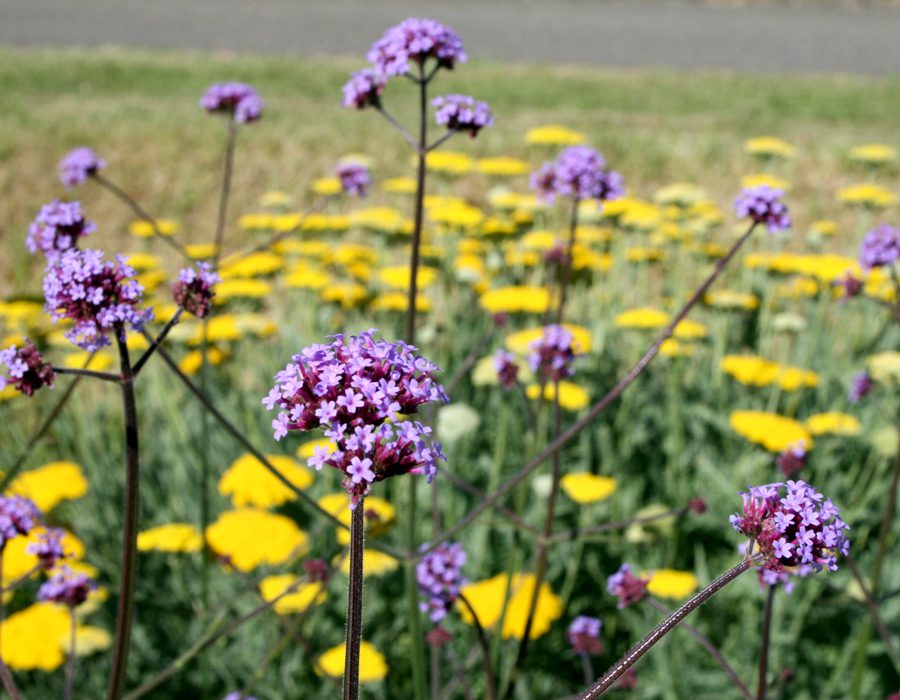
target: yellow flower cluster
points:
(771, 430)
(487, 599)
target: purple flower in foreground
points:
(860, 386)
(355, 179)
(48, 549)
(18, 516)
(551, 356)
(364, 88)
(579, 172)
(66, 587)
(239, 100)
(79, 164)
(57, 227)
(195, 288)
(763, 205)
(507, 369)
(416, 40)
(629, 589)
(462, 113)
(880, 247)
(355, 388)
(26, 369)
(97, 295)
(584, 635)
(792, 460)
(440, 579)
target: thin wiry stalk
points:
(69, 690)
(225, 193)
(353, 637)
(575, 533)
(156, 342)
(104, 376)
(485, 648)
(762, 672)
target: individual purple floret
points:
(416, 40)
(793, 525)
(57, 227)
(440, 578)
(551, 357)
(792, 460)
(48, 549)
(860, 386)
(507, 369)
(97, 295)
(18, 516)
(355, 179)
(880, 247)
(584, 635)
(355, 388)
(364, 88)
(79, 164)
(195, 288)
(239, 100)
(462, 113)
(629, 589)
(66, 587)
(578, 172)
(763, 205)
(26, 369)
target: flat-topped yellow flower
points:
(462, 216)
(275, 198)
(326, 186)
(307, 278)
(675, 348)
(191, 363)
(347, 294)
(398, 301)
(873, 154)
(380, 219)
(868, 195)
(885, 367)
(372, 665)
(642, 318)
(731, 299)
(375, 563)
(767, 179)
(249, 483)
(641, 216)
(644, 254)
(397, 277)
(256, 222)
(572, 397)
(37, 631)
(143, 261)
(18, 561)
(248, 537)
(449, 162)
(258, 264)
(88, 640)
(200, 251)
(672, 584)
(520, 342)
(300, 597)
(399, 185)
(379, 514)
(51, 484)
(145, 229)
(221, 328)
(681, 194)
(487, 598)
(503, 166)
(750, 369)
(833, 423)
(554, 135)
(769, 147)
(516, 299)
(229, 289)
(584, 487)
(771, 430)
(171, 537)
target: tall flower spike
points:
(462, 113)
(763, 205)
(416, 40)
(26, 369)
(880, 247)
(440, 579)
(57, 227)
(238, 100)
(79, 164)
(18, 516)
(580, 173)
(195, 288)
(552, 356)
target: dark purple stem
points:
(69, 690)
(485, 649)
(354, 602)
(105, 376)
(761, 685)
(226, 191)
(155, 343)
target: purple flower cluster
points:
(792, 460)
(355, 179)
(507, 369)
(66, 587)
(416, 40)
(798, 529)
(627, 587)
(462, 113)
(763, 205)
(551, 357)
(194, 290)
(96, 295)
(578, 172)
(860, 386)
(18, 516)
(239, 100)
(57, 227)
(440, 578)
(237, 695)
(364, 88)
(48, 549)
(26, 369)
(78, 164)
(584, 635)
(351, 387)
(880, 247)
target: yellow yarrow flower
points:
(200, 251)
(229, 289)
(88, 640)
(260, 264)
(769, 147)
(36, 632)
(731, 299)
(248, 538)
(833, 423)
(143, 261)
(644, 254)
(379, 514)
(648, 318)
(347, 294)
(554, 135)
(572, 397)
(399, 185)
(275, 199)
(885, 367)
(308, 449)
(487, 598)
(681, 194)
(672, 584)
(867, 195)
(191, 363)
(503, 166)
(758, 179)
(771, 430)
(674, 348)
(249, 483)
(51, 484)
(398, 301)
(299, 599)
(873, 154)
(516, 299)
(256, 222)
(308, 278)
(326, 186)
(397, 277)
(171, 537)
(449, 162)
(375, 563)
(144, 229)
(372, 665)
(584, 487)
(380, 219)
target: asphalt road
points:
(632, 33)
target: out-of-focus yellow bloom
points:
(644, 254)
(326, 186)
(346, 294)
(229, 289)
(191, 363)
(260, 264)
(308, 449)
(375, 563)
(462, 216)
(867, 195)
(398, 301)
(307, 277)
(757, 371)
(731, 299)
(275, 199)
(584, 487)
(554, 135)
(248, 537)
(824, 227)
(833, 423)
(249, 483)
(521, 341)
(398, 277)
(144, 229)
(257, 222)
(51, 484)
(221, 328)
(88, 640)
(372, 665)
(675, 348)
(503, 166)
(200, 251)
(379, 514)
(449, 162)
(681, 194)
(572, 397)
(769, 147)
(380, 219)
(873, 154)
(672, 584)
(885, 367)
(18, 561)
(171, 537)
(38, 631)
(487, 596)
(143, 261)
(773, 181)
(540, 240)
(516, 299)
(299, 599)
(771, 430)
(641, 216)
(646, 318)
(400, 185)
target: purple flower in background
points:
(579, 172)
(239, 100)
(236, 695)
(355, 388)
(440, 578)
(364, 88)
(57, 227)
(66, 587)
(584, 635)
(194, 289)
(462, 113)
(763, 205)
(416, 40)
(880, 247)
(355, 179)
(551, 357)
(48, 549)
(18, 516)
(25, 368)
(792, 460)
(507, 369)
(860, 386)
(629, 589)
(850, 285)
(97, 295)
(78, 164)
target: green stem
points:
(764, 646)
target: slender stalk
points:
(874, 614)
(404, 132)
(662, 629)
(281, 235)
(567, 261)
(887, 521)
(470, 359)
(24, 577)
(510, 515)
(588, 668)
(764, 646)
(125, 614)
(490, 691)
(575, 533)
(597, 408)
(154, 344)
(226, 192)
(354, 603)
(105, 376)
(69, 690)
(440, 142)
(9, 683)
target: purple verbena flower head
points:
(355, 388)
(440, 578)
(552, 356)
(793, 525)
(584, 635)
(507, 369)
(18, 516)
(462, 113)
(851, 286)
(48, 548)
(355, 179)
(364, 89)
(629, 589)
(25, 368)
(792, 459)
(860, 386)
(578, 172)
(236, 695)
(316, 570)
(238, 100)
(66, 587)
(57, 227)
(763, 205)
(79, 164)
(195, 288)
(880, 247)
(97, 295)
(416, 40)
